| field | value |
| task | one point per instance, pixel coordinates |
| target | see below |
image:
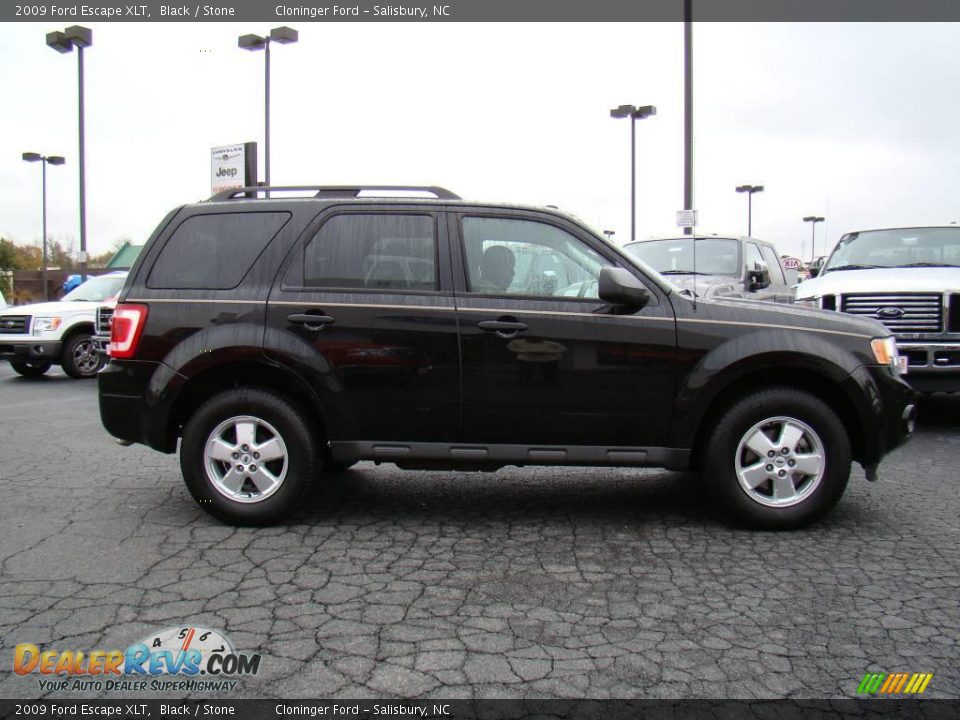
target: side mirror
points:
(814, 271)
(758, 279)
(619, 287)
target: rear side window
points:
(382, 251)
(214, 252)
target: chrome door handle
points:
(309, 321)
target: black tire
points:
(725, 455)
(80, 359)
(30, 368)
(302, 459)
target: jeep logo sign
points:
(228, 167)
(890, 313)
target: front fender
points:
(767, 352)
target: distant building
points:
(124, 258)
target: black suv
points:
(280, 338)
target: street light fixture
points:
(634, 113)
(78, 37)
(284, 36)
(813, 220)
(749, 190)
(44, 160)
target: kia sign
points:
(233, 166)
(792, 263)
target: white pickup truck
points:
(35, 337)
(909, 280)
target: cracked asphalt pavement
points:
(531, 583)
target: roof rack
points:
(336, 191)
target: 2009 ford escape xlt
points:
(278, 338)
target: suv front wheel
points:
(248, 457)
(779, 459)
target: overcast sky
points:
(855, 122)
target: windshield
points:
(96, 289)
(715, 256)
(906, 247)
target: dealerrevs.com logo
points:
(184, 653)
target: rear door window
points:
(378, 252)
(214, 252)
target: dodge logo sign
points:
(890, 313)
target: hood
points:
(52, 308)
(890, 280)
(700, 284)
(764, 312)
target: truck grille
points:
(104, 318)
(15, 325)
(901, 312)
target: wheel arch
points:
(217, 378)
(807, 379)
(86, 326)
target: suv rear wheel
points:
(248, 457)
(779, 459)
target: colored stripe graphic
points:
(894, 683)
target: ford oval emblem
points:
(890, 313)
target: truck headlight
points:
(810, 302)
(886, 352)
(45, 324)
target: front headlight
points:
(810, 302)
(45, 324)
(886, 352)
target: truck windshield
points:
(906, 247)
(715, 256)
(96, 289)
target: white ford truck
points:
(35, 337)
(909, 280)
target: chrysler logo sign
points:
(890, 313)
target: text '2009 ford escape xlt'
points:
(281, 337)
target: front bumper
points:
(890, 412)
(30, 350)
(933, 367)
(100, 343)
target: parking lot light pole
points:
(78, 37)
(749, 190)
(813, 220)
(284, 36)
(634, 113)
(44, 160)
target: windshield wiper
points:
(682, 272)
(927, 264)
(853, 267)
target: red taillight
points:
(126, 329)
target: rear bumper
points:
(133, 405)
(48, 351)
